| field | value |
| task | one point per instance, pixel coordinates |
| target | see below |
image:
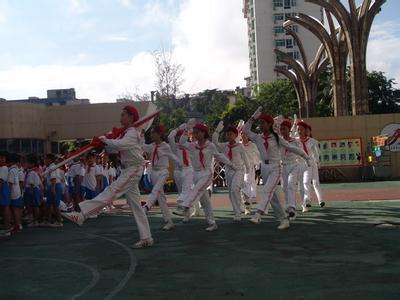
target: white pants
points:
(158, 178)
(234, 181)
(250, 185)
(127, 183)
(184, 182)
(271, 175)
(311, 182)
(290, 175)
(201, 179)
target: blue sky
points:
(103, 47)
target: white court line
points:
(131, 270)
(95, 273)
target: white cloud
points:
(99, 83)
(115, 38)
(154, 12)
(127, 3)
(209, 40)
(3, 11)
(78, 6)
(383, 49)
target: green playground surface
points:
(330, 253)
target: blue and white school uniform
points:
(90, 181)
(15, 190)
(32, 194)
(106, 180)
(4, 188)
(75, 172)
(51, 198)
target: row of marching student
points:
(282, 157)
(30, 198)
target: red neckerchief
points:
(184, 156)
(289, 141)
(155, 154)
(266, 143)
(201, 154)
(230, 153)
(90, 167)
(304, 141)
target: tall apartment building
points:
(265, 20)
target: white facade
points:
(265, 20)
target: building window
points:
(278, 3)
(293, 28)
(293, 3)
(253, 37)
(278, 17)
(280, 43)
(278, 29)
(253, 25)
(287, 4)
(26, 146)
(289, 43)
(294, 54)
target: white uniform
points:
(159, 172)
(203, 173)
(250, 185)
(76, 169)
(183, 175)
(311, 176)
(234, 176)
(4, 173)
(13, 180)
(271, 168)
(292, 165)
(33, 179)
(89, 179)
(128, 144)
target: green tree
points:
(383, 97)
(172, 119)
(276, 97)
(324, 100)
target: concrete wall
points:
(22, 120)
(88, 120)
(56, 123)
(365, 127)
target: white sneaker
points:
(33, 224)
(212, 227)
(126, 206)
(143, 244)
(180, 211)
(45, 224)
(285, 224)
(76, 217)
(305, 209)
(247, 212)
(256, 219)
(170, 225)
(237, 219)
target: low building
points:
(39, 125)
